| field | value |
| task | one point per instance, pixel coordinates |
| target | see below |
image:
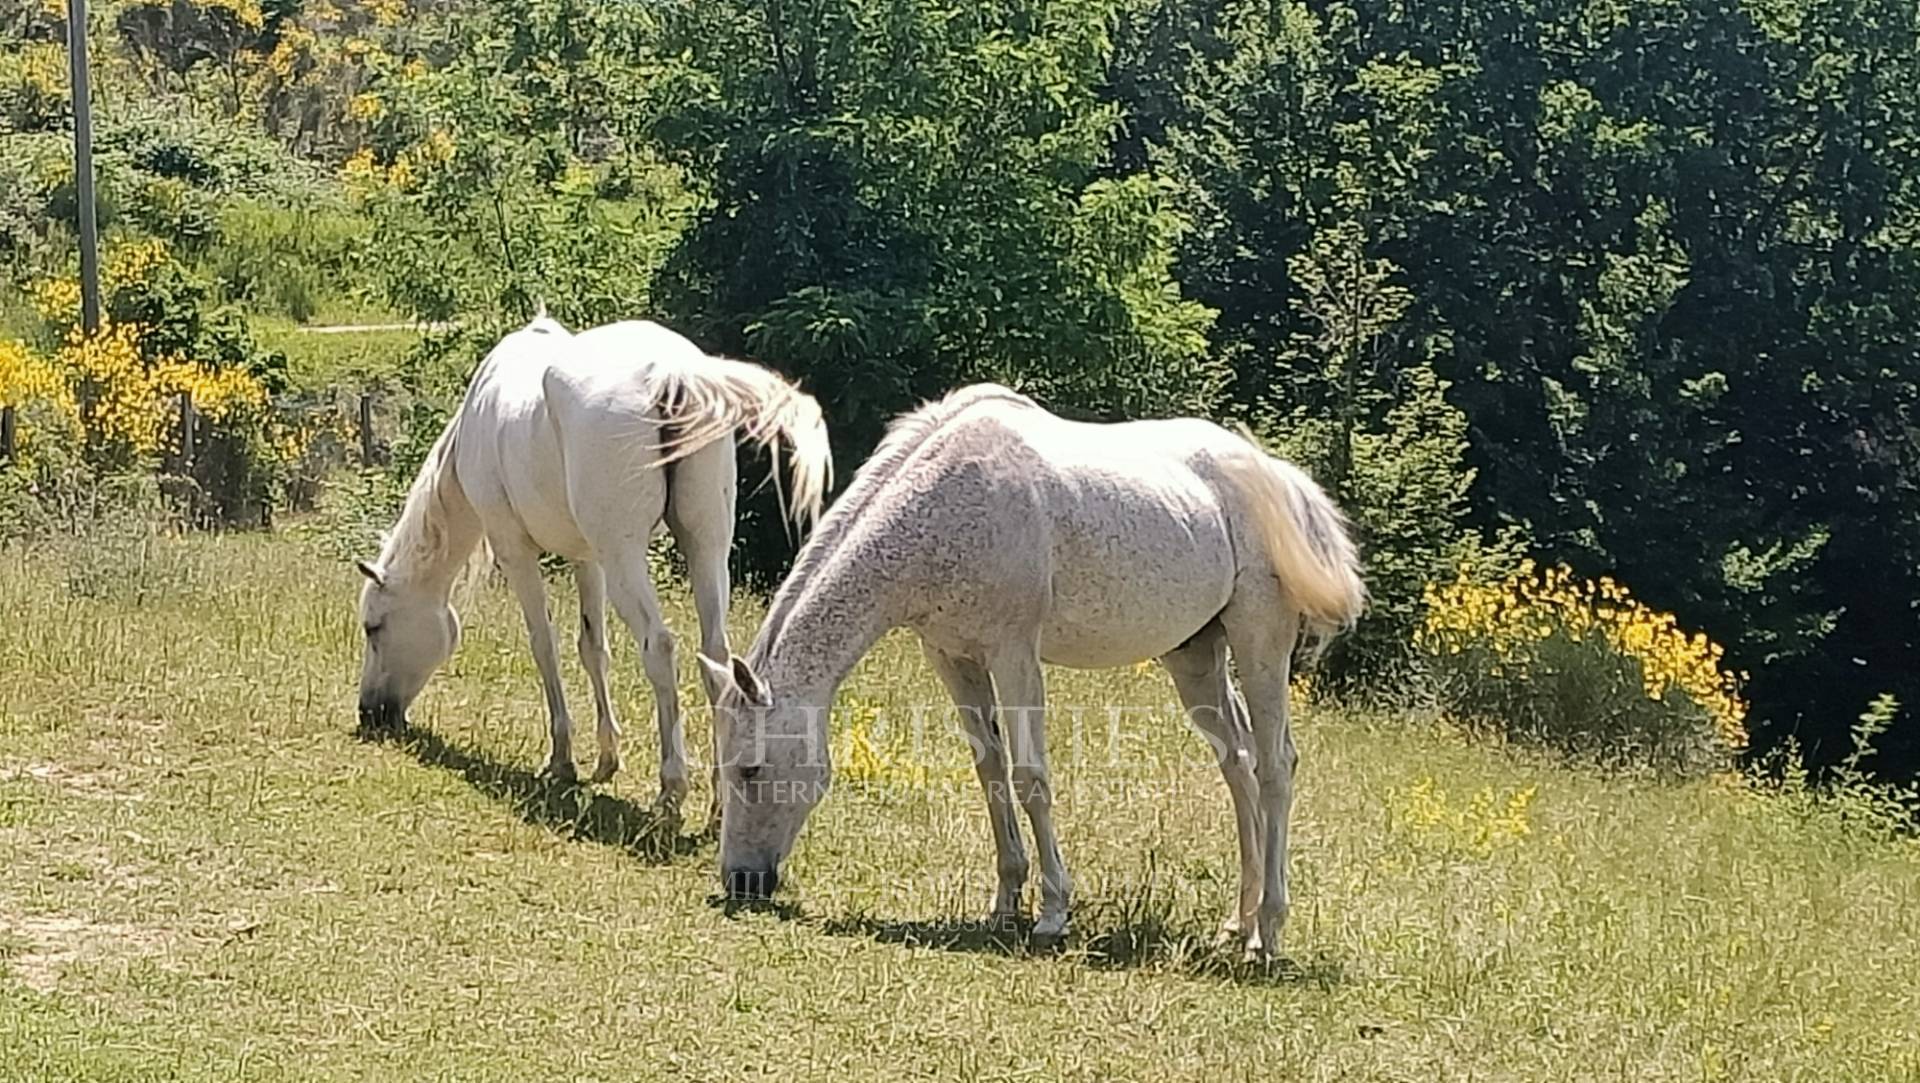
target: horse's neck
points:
(842, 610)
(432, 542)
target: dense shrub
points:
(166, 137)
(1580, 665)
(34, 172)
(33, 87)
(282, 260)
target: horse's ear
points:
(737, 675)
(718, 675)
(749, 683)
(379, 578)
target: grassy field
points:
(204, 875)
(353, 359)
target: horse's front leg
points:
(521, 565)
(1023, 710)
(972, 690)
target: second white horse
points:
(580, 446)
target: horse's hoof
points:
(1256, 952)
(605, 770)
(562, 772)
(1050, 930)
(666, 810)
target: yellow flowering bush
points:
(365, 176)
(126, 266)
(26, 378)
(133, 262)
(1485, 822)
(33, 86)
(387, 12)
(1581, 665)
(43, 403)
(112, 400)
(133, 406)
(366, 107)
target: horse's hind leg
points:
(1262, 634)
(1199, 671)
(1023, 711)
(700, 509)
(593, 654)
(520, 563)
(972, 690)
(638, 606)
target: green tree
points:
(900, 197)
(1665, 256)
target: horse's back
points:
(1122, 537)
(558, 435)
(507, 457)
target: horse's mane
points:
(417, 537)
(904, 436)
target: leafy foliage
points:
(1664, 257)
(902, 197)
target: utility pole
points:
(83, 166)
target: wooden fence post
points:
(86, 215)
(189, 423)
(367, 450)
(6, 433)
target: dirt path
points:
(355, 328)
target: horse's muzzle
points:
(751, 885)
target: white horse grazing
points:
(580, 445)
(1006, 536)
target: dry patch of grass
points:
(45, 945)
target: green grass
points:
(350, 359)
(204, 875)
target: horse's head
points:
(410, 630)
(773, 771)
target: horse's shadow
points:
(1112, 935)
(647, 833)
(1119, 942)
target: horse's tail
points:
(1306, 539)
(712, 397)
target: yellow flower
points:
(57, 300)
(387, 12)
(366, 107)
(132, 263)
(867, 752)
(1484, 824)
